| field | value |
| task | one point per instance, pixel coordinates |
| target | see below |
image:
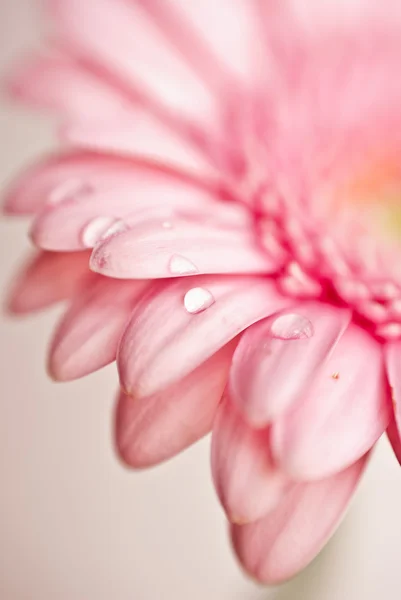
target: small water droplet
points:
(67, 190)
(291, 326)
(197, 300)
(95, 229)
(336, 375)
(179, 265)
(167, 225)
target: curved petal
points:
(148, 249)
(60, 84)
(341, 415)
(143, 136)
(288, 539)
(62, 226)
(167, 337)
(88, 334)
(245, 478)
(151, 430)
(130, 35)
(270, 373)
(46, 279)
(78, 172)
(393, 366)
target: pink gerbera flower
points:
(233, 182)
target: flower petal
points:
(46, 279)
(148, 249)
(165, 341)
(341, 415)
(151, 430)
(393, 366)
(143, 136)
(58, 83)
(245, 478)
(78, 172)
(269, 373)
(288, 539)
(62, 226)
(160, 71)
(88, 334)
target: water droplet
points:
(336, 375)
(95, 229)
(67, 190)
(197, 300)
(291, 326)
(167, 225)
(179, 265)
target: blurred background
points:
(75, 524)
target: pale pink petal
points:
(393, 366)
(141, 136)
(394, 439)
(65, 225)
(61, 176)
(288, 539)
(60, 84)
(341, 415)
(88, 334)
(269, 373)
(184, 322)
(207, 33)
(48, 278)
(246, 480)
(130, 34)
(149, 249)
(150, 430)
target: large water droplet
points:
(291, 326)
(197, 300)
(96, 229)
(68, 189)
(179, 265)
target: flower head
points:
(226, 224)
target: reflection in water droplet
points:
(179, 265)
(96, 229)
(291, 326)
(197, 300)
(67, 190)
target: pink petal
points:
(80, 172)
(88, 334)
(160, 71)
(148, 249)
(341, 415)
(393, 366)
(394, 439)
(142, 136)
(151, 430)
(60, 84)
(207, 34)
(269, 373)
(288, 539)
(46, 279)
(245, 478)
(63, 226)
(165, 340)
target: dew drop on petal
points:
(291, 326)
(179, 265)
(197, 300)
(95, 229)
